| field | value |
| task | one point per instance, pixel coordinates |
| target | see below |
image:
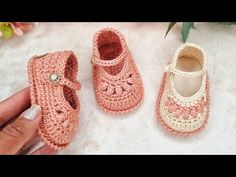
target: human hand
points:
(18, 125)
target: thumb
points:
(17, 133)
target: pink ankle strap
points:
(73, 85)
(55, 74)
(56, 79)
(99, 62)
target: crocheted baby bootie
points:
(117, 82)
(53, 86)
(183, 101)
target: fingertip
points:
(32, 113)
(45, 150)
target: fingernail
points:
(32, 112)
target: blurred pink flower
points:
(20, 27)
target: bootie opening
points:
(70, 73)
(190, 59)
(109, 47)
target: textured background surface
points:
(137, 132)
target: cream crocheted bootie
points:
(117, 82)
(183, 101)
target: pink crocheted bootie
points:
(183, 101)
(53, 86)
(117, 82)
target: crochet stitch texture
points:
(117, 82)
(53, 86)
(184, 115)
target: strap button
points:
(54, 78)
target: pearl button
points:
(55, 78)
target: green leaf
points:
(7, 32)
(171, 24)
(185, 30)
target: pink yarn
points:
(186, 111)
(52, 79)
(117, 82)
